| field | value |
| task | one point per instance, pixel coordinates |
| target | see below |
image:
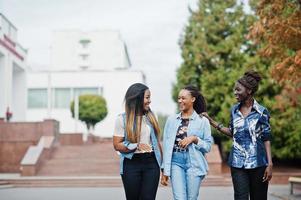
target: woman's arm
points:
(126, 147)
(118, 143)
(164, 180)
(218, 126)
(266, 137)
(267, 145)
(202, 144)
(268, 171)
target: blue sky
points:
(150, 29)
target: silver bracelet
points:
(219, 126)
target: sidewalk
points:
(276, 192)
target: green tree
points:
(92, 109)
(216, 53)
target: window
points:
(37, 98)
(62, 97)
(81, 91)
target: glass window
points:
(80, 91)
(62, 97)
(37, 98)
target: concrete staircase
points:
(5, 184)
(97, 159)
(94, 164)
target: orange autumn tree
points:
(278, 31)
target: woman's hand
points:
(144, 147)
(164, 180)
(187, 141)
(268, 173)
(218, 126)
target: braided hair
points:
(250, 80)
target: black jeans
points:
(248, 182)
(141, 177)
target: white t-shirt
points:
(145, 130)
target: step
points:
(81, 160)
(40, 181)
(79, 168)
(92, 181)
(98, 181)
(5, 184)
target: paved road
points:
(276, 192)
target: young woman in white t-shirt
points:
(136, 137)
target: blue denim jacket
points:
(129, 155)
(249, 134)
(198, 126)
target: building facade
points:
(82, 63)
(13, 69)
(96, 50)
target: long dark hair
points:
(134, 101)
(199, 105)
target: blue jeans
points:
(185, 185)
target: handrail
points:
(34, 153)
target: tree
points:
(92, 109)
(216, 52)
(278, 33)
(278, 30)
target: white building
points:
(82, 63)
(12, 72)
(97, 50)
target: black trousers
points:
(248, 182)
(141, 177)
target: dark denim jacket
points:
(249, 135)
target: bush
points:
(92, 109)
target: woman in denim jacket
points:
(250, 157)
(136, 138)
(186, 139)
